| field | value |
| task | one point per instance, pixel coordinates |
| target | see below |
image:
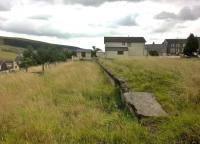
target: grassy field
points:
(74, 103)
(176, 85)
(4, 55)
(9, 52)
(71, 103)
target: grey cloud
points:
(166, 15)
(3, 18)
(5, 5)
(185, 14)
(30, 28)
(127, 21)
(94, 2)
(99, 2)
(40, 17)
(46, 1)
(165, 27)
(172, 20)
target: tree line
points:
(41, 56)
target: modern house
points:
(100, 54)
(84, 54)
(159, 48)
(174, 46)
(124, 46)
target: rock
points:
(144, 104)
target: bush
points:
(153, 53)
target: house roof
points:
(176, 40)
(84, 50)
(155, 47)
(124, 39)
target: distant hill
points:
(26, 43)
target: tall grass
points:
(70, 103)
(176, 85)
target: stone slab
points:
(144, 104)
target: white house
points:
(100, 54)
(84, 54)
(124, 46)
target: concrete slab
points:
(144, 104)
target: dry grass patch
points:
(70, 103)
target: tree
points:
(192, 45)
(28, 59)
(26, 63)
(43, 56)
(69, 54)
(94, 51)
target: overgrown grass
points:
(4, 55)
(176, 85)
(70, 103)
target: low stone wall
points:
(121, 84)
(141, 104)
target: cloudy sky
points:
(84, 23)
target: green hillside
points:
(26, 43)
(9, 52)
(11, 47)
(7, 55)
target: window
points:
(123, 43)
(120, 52)
(83, 54)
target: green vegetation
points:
(12, 49)
(74, 103)
(26, 43)
(71, 103)
(153, 53)
(7, 55)
(192, 45)
(175, 83)
(9, 52)
(42, 56)
(94, 51)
